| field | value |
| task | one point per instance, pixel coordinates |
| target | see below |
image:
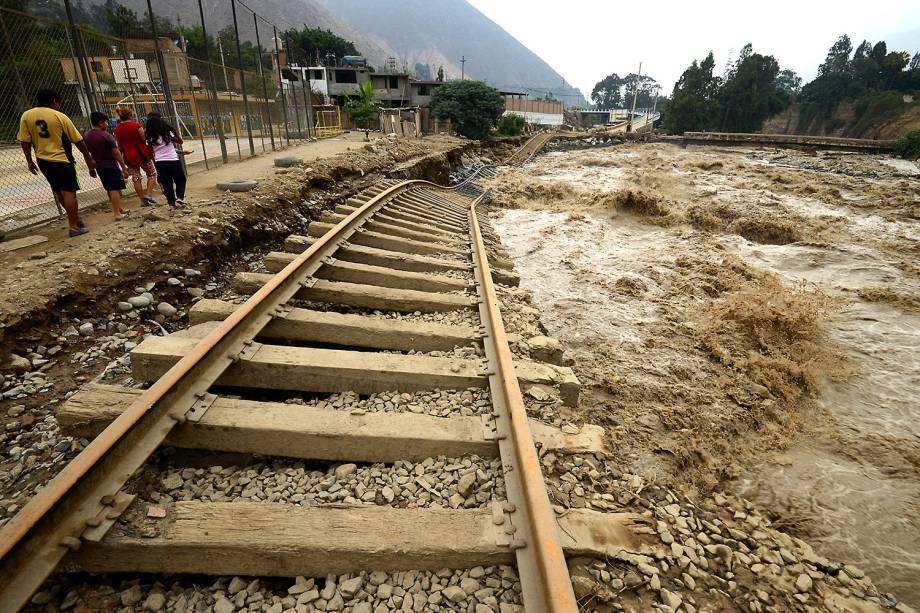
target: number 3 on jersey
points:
(43, 128)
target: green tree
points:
(608, 92)
(304, 45)
(364, 107)
(693, 102)
(751, 92)
(194, 44)
(122, 21)
(908, 146)
(473, 106)
(789, 82)
(647, 86)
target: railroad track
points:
(530, 148)
(396, 292)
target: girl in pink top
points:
(163, 139)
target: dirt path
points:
(746, 321)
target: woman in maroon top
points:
(133, 144)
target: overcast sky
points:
(587, 40)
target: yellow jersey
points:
(50, 132)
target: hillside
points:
(848, 121)
(413, 31)
(439, 33)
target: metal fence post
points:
(287, 132)
(239, 62)
(161, 64)
(81, 53)
(124, 55)
(294, 93)
(268, 112)
(193, 101)
(218, 117)
(99, 99)
(308, 101)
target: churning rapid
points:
(745, 321)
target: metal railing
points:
(220, 85)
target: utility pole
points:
(223, 65)
(239, 63)
(654, 106)
(462, 67)
(635, 96)
(181, 36)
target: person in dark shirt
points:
(110, 165)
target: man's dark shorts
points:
(62, 176)
(112, 179)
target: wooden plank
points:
(305, 325)
(411, 206)
(430, 201)
(426, 237)
(332, 370)
(22, 243)
(380, 223)
(419, 225)
(260, 539)
(286, 540)
(275, 261)
(462, 225)
(364, 296)
(391, 243)
(290, 430)
(316, 370)
(394, 216)
(351, 272)
(380, 257)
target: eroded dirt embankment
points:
(52, 281)
(66, 318)
(744, 320)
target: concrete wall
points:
(541, 119)
(521, 106)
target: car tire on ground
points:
(287, 162)
(237, 186)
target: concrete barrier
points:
(788, 140)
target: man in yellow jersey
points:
(52, 134)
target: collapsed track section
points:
(407, 247)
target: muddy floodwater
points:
(744, 321)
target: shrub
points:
(908, 146)
(511, 124)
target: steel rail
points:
(80, 496)
(545, 581)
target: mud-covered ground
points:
(745, 321)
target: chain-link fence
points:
(225, 87)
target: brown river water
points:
(743, 321)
